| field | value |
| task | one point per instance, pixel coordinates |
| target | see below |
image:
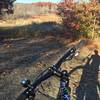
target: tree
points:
(80, 18)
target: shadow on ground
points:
(89, 86)
(31, 30)
(26, 51)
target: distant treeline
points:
(29, 10)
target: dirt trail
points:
(28, 57)
(17, 54)
(24, 58)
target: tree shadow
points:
(89, 86)
(31, 30)
(25, 52)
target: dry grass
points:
(90, 47)
(34, 26)
(34, 19)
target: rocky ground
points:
(26, 58)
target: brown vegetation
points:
(50, 4)
(41, 25)
(28, 10)
(81, 19)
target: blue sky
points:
(30, 1)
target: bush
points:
(80, 19)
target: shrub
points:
(80, 18)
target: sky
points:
(30, 1)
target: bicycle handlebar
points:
(50, 71)
(70, 53)
(43, 76)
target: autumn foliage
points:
(81, 19)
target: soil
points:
(27, 57)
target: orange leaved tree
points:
(80, 18)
